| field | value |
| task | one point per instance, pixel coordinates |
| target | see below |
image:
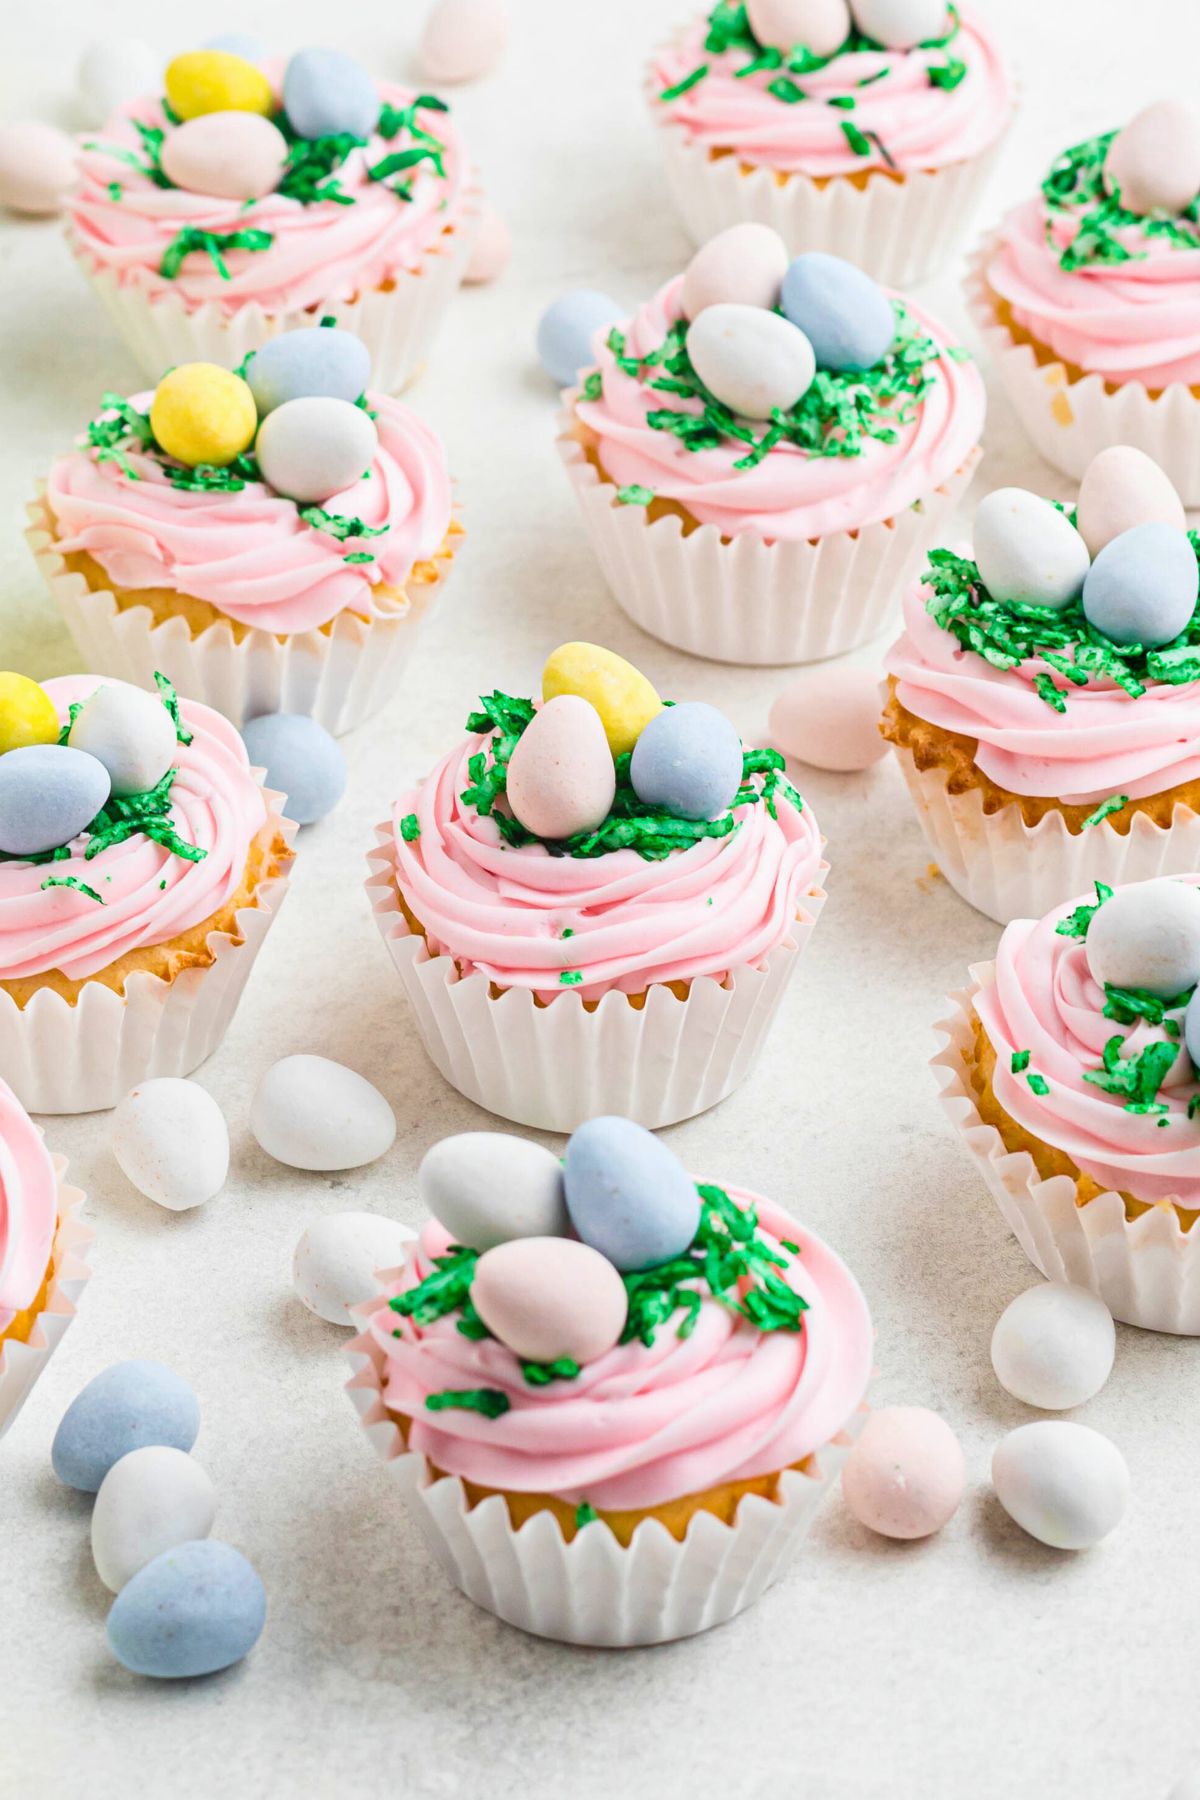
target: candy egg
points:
(743, 265)
(846, 317)
(751, 360)
(152, 1500)
(822, 26)
(170, 1138)
(1123, 487)
(487, 1187)
(213, 81)
(492, 250)
(1153, 165)
(325, 93)
(302, 762)
(130, 732)
(195, 1609)
(203, 414)
(561, 778)
(38, 167)
(547, 1298)
(311, 1113)
(114, 71)
(48, 795)
(829, 718)
(335, 1262)
(1142, 587)
(316, 361)
(127, 1405)
(1191, 1031)
(688, 760)
(901, 24)
(1027, 550)
(567, 329)
(233, 155)
(463, 39)
(238, 43)
(620, 693)
(905, 1476)
(1146, 936)
(1053, 1346)
(27, 713)
(629, 1197)
(314, 448)
(1065, 1484)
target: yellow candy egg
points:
(620, 693)
(27, 714)
(209, 81)
(203, 414)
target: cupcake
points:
(766, 451)
(1070, 1069)
(270, 539)
(245, 202)
(613, 1396)
(868, 130)
(42, 1271)
(141, 865)
(597, 901)
(1088, 296)
(1044, 699)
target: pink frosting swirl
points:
(921, 126)
(1106, 742)
(789, 494)
(28, 1207)
(149, 894)
(321, 252)
(641, 1425)
(1043, 999)
(250, 554)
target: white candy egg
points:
(488, 1187)
(752, 360)
(1154, 163)
(1053, 1346)
(114, 71)
(311, 1113)
(1027, 550)
(336, 1259)
(316, 447)
(1065, 1484)
(744, 265)
(38, 167)
(1147, 936)
(822, 26)
(901, 24)
(150, 1501)
(130, 732)
(170, 1138)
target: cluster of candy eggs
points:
(822, 26)
(1153, 164)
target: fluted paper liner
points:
(1146, 1270)
(22, 1363)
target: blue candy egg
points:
(566, 330)
(628, 1196)
(238, 43)
(846, 317)
(193, 1610)
(315, 362)
(48, 795)
(126, 1406)
(326, 92)
(688, 760)
(301, 760)
(1191, 1029)
(1142, 587)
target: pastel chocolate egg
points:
(335, 1262)
(302, 761)
(27, 713)
(753, 361)
(846, 317)
(195, 1609)
(130, 732)
(821, 26)
(567, 331)
(127, 1405)
(488, 1187)
(114, 71)
(744, 265)
(234, 155)
(311, 1113)
(688, 760)
(318, 361)
(829, 718)
(171, 1140)
(905, 1476)
(48, 795)
(1142, 587)
(1153, 164)
(150, 1501)
(546, 1298)
(1123, 487)
(203, 414)
(561, 778)
(629, 1197)
(901, 24)
(1053, 1346)
(621, 694)
(38, 167)
(1065, 1484)
(491, 252)
(1027, 550)
(1146, 936)
(314, 448)
(463, 39)
(325, 93)
(238, 43)
(213, 81)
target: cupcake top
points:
(284, 187)
(126, 819)
(1103, 265)
(936, 92)
(1097, 1037)
(283, 493)
(600, 839)
(614, 1334)
(28, 1208)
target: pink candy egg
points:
(561, 777)
(233, 155)
(37, 167)
(1122, 488)
(492, 249)
(822, 26)
(463, 39)
(1154, 163)
(744, 263)
(829, 718)
(905, 1476)
(550, 1297)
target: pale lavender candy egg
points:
(561, 777)
(1142, 587)
(463, 39)
(1154, 163)
(48, 795)
(901, 24)
(38, 167)
(325, 93)
(547, 1298)
(822, 26)
(744, 263)
(492, 249)
(314, 360)
(829, 718)
(234, 155)
(752, 360)
(1146, 936)
(238, 43)
(316, 447)
(1123, 487)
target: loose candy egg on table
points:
(212, 81)
(488, 1187)
(130, 732)
(829, 718)
(1065, 1484)
(567, 328)
(325, 93)
(1123, 487)
(311, 1113)
(822, 26)
(546, 1298)
(1153, 164)
(463, 40)
(1053, 1346)
(1147, 936)
(195, 1609)
(126, 1406)
(629, 1197)
(744, 264)
(302, 761)
(318, 361)
(336, 1259)
(561, 778)
(38, 167)
(1142, 587)
(234, 155)
(203, 414)
(621, 694)
(905, 1476)
(491, 252)
(48, 795)
(171, 1140)
(150, 1501)
(1027, 550)
(846, 317)
(113, 71)
(751, 360)
(688, 760)
(27, 713)
(901, 24)
(238, 43)
(314, 448)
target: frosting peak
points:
(28, 1207)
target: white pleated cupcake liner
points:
(1010, 870)
(22, 1363)
(338, 677)
(749, 601)
(554, 1066)
(1146, 1270)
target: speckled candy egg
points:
(829, 718)
(846, 317)
(302, 761)
(325, 92)
(127, 1405)
(212, 81)
(547, 1298)
(27, 713)
(150, 1501)
(195, 1609)
(1154, 163)
(1142, 587)
(463, 39)
(311, 1113)
(753, 361)
(130, 732)
(1064, 1484)
(566, 331)
(315, 448)
(316, 361)
(621, 694)
(1123, 487)
(488, 1187)
(561, 778)
(743, 265)
(38, 167)
(1053, 1346)
(336, 1259)
(203, 414)
(1146, 936)
(48, 795)
(114, 71)
(234, 155)
(629, 1197)
(171, 1140)
(688, 760)
(822, 26)
(1027, 550)
(901, 24)
(905, 1476)
(491, 252)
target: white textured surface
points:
(978, 1666)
